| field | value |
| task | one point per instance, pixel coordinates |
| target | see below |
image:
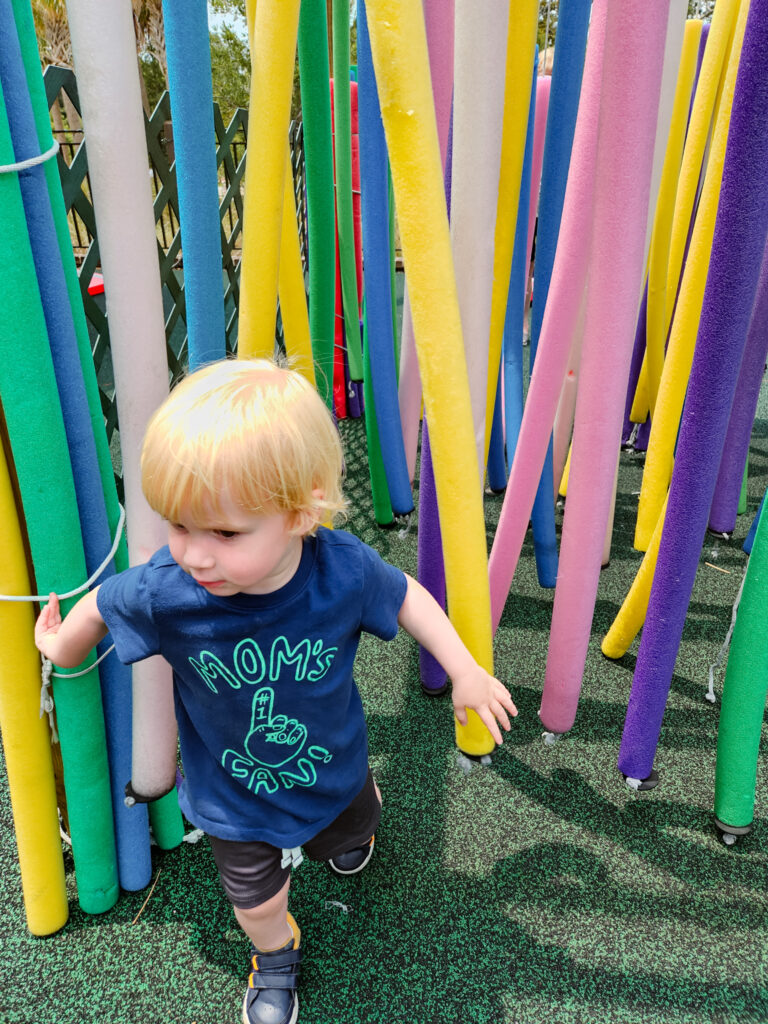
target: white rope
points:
(88, 582)
(33, 161)
(710, 694)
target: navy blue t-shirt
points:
(273, 738)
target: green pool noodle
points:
(744, 692)
(314, 75)
(382, 506)
(344, 214)
(166, 817)
(742, 506)
(33, 417)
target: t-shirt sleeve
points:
(383, 593)
(125, 604)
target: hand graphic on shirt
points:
(274, 739)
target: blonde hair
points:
(247, 431)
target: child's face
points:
(237, 552)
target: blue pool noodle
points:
(374, 187)
(512, 343)
(131, 829)
(189, 77)
(567, 70)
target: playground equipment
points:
(634, 265)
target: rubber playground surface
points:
(536, 889)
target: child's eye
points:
(177, 527)
(226, 534)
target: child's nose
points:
(197, 554)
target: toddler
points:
(259, 610)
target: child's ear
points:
(307, 520)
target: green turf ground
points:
(536, 889)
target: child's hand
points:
(47, 626)
(490, 699)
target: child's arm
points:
(473, 687)
(67, 643)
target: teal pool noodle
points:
(314, 76)
(382, 506)
(744, 691)
(188, 49)
(374, 187)
(32, 412)
(131, 831)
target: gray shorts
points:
(251, 872)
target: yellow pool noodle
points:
(293, 296)
(631, 615)
(273, 30)
(400, 58)
(521, 45)
(656, 319)
(710, 75)
(677, 365)
(562, 490)
(26, 736)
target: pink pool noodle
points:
(438, 19)
(630, 98)
(569, 274)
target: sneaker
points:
(271, 994)
(352, 861)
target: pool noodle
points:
(344, 214)
(165, 817)
(567, 72)
(520, 65)
(429, 546)
(701, 120)
(569, 276)
(188, 53)
(749, 540)
(290, 287)
(742, 706)
(683, 333)
(131, 830)
(30, 403)
(656, 317)
(382, 506)
(726, 499)
(104, 51)
(514, 320)
(378, 281)
(26, 736)
(314, 75)
(273, 30)
(399, 48)
(632, 69)
(478, 110)
(439, 21)
(737, 248)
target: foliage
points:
(231, 70)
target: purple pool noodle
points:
(431, 570)
(638, 351)
(737, 247)
(725, 504)
(643, 434)
(430, 566)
